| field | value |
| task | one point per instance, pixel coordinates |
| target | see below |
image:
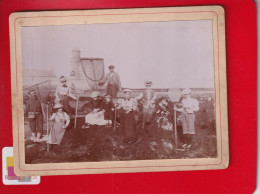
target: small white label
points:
(9, 177)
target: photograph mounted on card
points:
(124, 90)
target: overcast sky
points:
(174, 54)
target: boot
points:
(37, 139)
(32, 137)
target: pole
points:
(40, 98)
(48, 146)
(76, 113)
(115, 120)
(175, 127)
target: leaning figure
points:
(62, 94)
(189, 106)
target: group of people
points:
(111, 111)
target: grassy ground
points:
(105, 144)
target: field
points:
(105, 144)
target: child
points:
(109, 110)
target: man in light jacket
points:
(113, 82)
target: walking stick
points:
(48, 146)
(115, 120)
(76, 114)
(175, 127)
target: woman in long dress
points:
(61, 121)
(127, 107)
(148, 101)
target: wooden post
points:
(115, 120)
(175, 127)
(48, 146)
(76, 113)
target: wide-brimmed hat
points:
(29, 92)
(94, 94)
(127, 90)
(186, 91)
(63, 79)
(148, 83)
(107, 96)
(111, 67)
(57, 106)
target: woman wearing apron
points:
(61, 121)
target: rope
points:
(93, 72)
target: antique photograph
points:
(108, 92)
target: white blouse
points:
(190, 105)
(128, 105)
(60, 117)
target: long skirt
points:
(56, 133)
(128, 126)
(112, 90)
(148, 114)
(188, 120)
(95, 118)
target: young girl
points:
(109, 110)
(61, 122)
(189, 106)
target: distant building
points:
(32, 77)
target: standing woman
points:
(126, 107)
(61, 122)
(148, 97)
(189, 106)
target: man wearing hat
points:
(113, 82)
(63, 92)
(34, 111)
(189, 106)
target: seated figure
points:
(96, 116)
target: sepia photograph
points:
(116, 92)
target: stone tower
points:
(85, 73)
(75, 63)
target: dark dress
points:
(127, 120)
